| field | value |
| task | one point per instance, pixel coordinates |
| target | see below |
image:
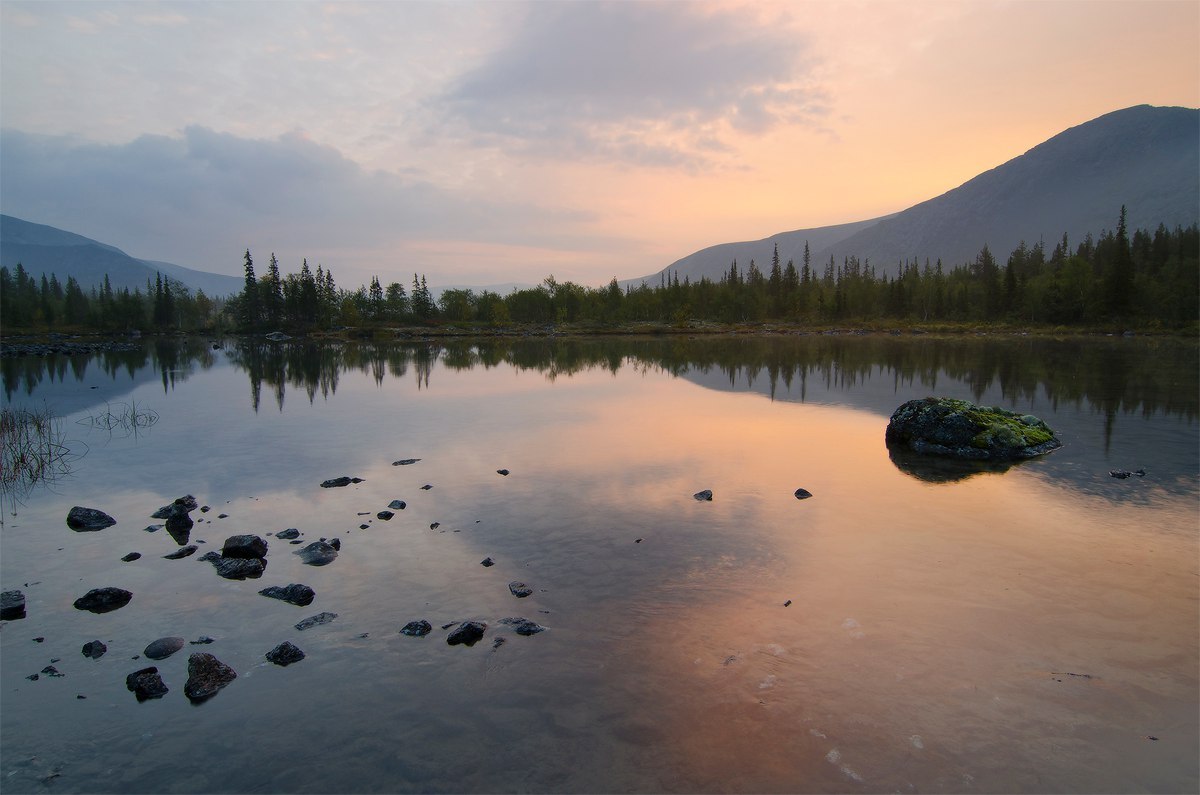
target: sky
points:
(486, 143)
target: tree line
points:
(1144, 278)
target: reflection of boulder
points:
(961, 430)
(940, 469)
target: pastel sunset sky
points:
(492, 142)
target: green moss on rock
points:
(961, 429)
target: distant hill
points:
(1146, 158)
(45, 249)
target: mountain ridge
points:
(1145, 158)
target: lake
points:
(911, 627)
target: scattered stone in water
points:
(33, 677)
(152, 528)
(181, 553)
(497, 643)
(204, 509)
(206, 675)
(426, 487)
(103, 600)
(435, 525)
(146, 684)
(297, 541)
(452, 623)
(335, 483)
(385, 515)
(202, 640)
(519, 589)
(163, 648)
(186, 503)
(88, 519)
(403, 462)
(417, 629)
(39, 639)
(487, 562)
(222, 516)
(523, 626)
(468, 633)
(291, 532)
(318, 553)
(297, 594)
(336, 543)
(50, 670)
(788, 603)
(703, 496)
(94, 649)
(364, 527)
(803, 494)
(397, 505)
(244, 546)
(12, 605)
(285, 654)
(503, 472)
(637, 540)
(316, 621)
(132, 556)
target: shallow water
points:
(1027, 630)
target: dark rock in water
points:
(703, 496)
(803, 494)
(435, 525)
(244, 546)
(235, 568)
(385, 515)
(103, 600)
(180, 529)
(339, 482)
(183, 552)
(12, 605)
(51, 671)
(403, 462)
(519, 589)
(152, 528)
(467, 633)
(497, 642)
(132, 556)
(163, 648)
(202, 640)
(523, 626)
(487, 562)
(960, 429)
(503, 472)
(33, 677)
(318, 553)
(1125, 473)
(206, 675)
(316, 621)
(240, 568)
(285, 653)
(146, 684)
(336, 543)
(364, 527)
(297, 594)
(426, 487)
(185, 504)
(94, 649)
(417, 629)
(397, 505)
(290, 533)
(88, 519)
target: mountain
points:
(1145, 158)
(45, 249)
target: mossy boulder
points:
(960, 429)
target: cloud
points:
(201, 197)
(650, 83)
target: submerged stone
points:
(523, 626)
(316, 621)
(960, 429)
(163, 648)
(146, 684)
(467, 633)
(703, 496)
(94, 649)
(206, 675)
(417, 629)
(318, 553)
(334, 483)
(103, 600)
(296, 594)
(519, 589)
(12, 605)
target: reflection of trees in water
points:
(175, 358)
(1112, 376)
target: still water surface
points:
(1033, 629)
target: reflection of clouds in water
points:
(853, 629)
